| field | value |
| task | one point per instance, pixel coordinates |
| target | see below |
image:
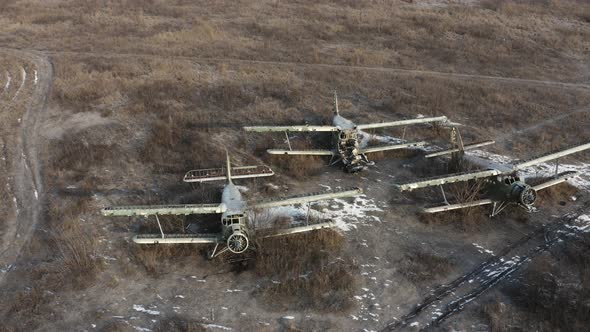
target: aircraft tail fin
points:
(228, 172)
(336, 112)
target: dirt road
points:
(401, 71)
(26, 182)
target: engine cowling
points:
(237, 242)
(523, 193)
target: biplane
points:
(235, 233)
(350, 148)
(502, 184)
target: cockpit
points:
(234, 219)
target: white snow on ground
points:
(544, 169)
(141, 308)
(482, 249)
(215, 326)
(36, 77)
(344, 214)
(8, 79)
(24, 78)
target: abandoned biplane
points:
(502, 184)
(234, 235)
(350, 148)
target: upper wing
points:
(302, 152)
(402, 122)
(317, 196)
(556, 180)
(439, 180)
(148, 210)
(290, 128)
(392, 147)
(551, 156)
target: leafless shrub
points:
(311, 272)
(420, 266)
(179, 324)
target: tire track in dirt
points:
(449, 299)
(27, 184)
(401, 71)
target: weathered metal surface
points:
(302, 152)
(176, 238)
(171, 209)
(219, 174)
(402, 122)
(556, 180)
(440, 180)
(290, 128)
(450, 207)
(300, 229)
(552, 156)
(392, 147)
(307, 198)
(465, 148)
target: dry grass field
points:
(142, 91)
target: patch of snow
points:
(24, 78)
(288, 317)
(415, 324)
(215, 326)
(180, 296)
(233, 290)
(140, 308)
(36, 78)
(8, 79)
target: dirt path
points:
(541, 124)
(401, 71)
(449, 299)
(27, 184)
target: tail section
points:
(336, 112)
(228, 172)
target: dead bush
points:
(179, 324)
(311, 273)
(157, 259)
(420, 266)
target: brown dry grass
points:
(551, 294)
(420, 266)
(310, 269)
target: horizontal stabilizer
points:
(552, 156)
(562, 177)
(440, 180)
(175, 238)
(392, 147)
(307, 198)
(465, 148)
(148, 210)
(300, 229)
(449, 207)
(402, 122)
(220, 174)
(290, 128)
(302, 152)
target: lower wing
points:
(175, 238)
(559, 178)
(302, 152)
(149, 210)
(449, 207)
(299, 229)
